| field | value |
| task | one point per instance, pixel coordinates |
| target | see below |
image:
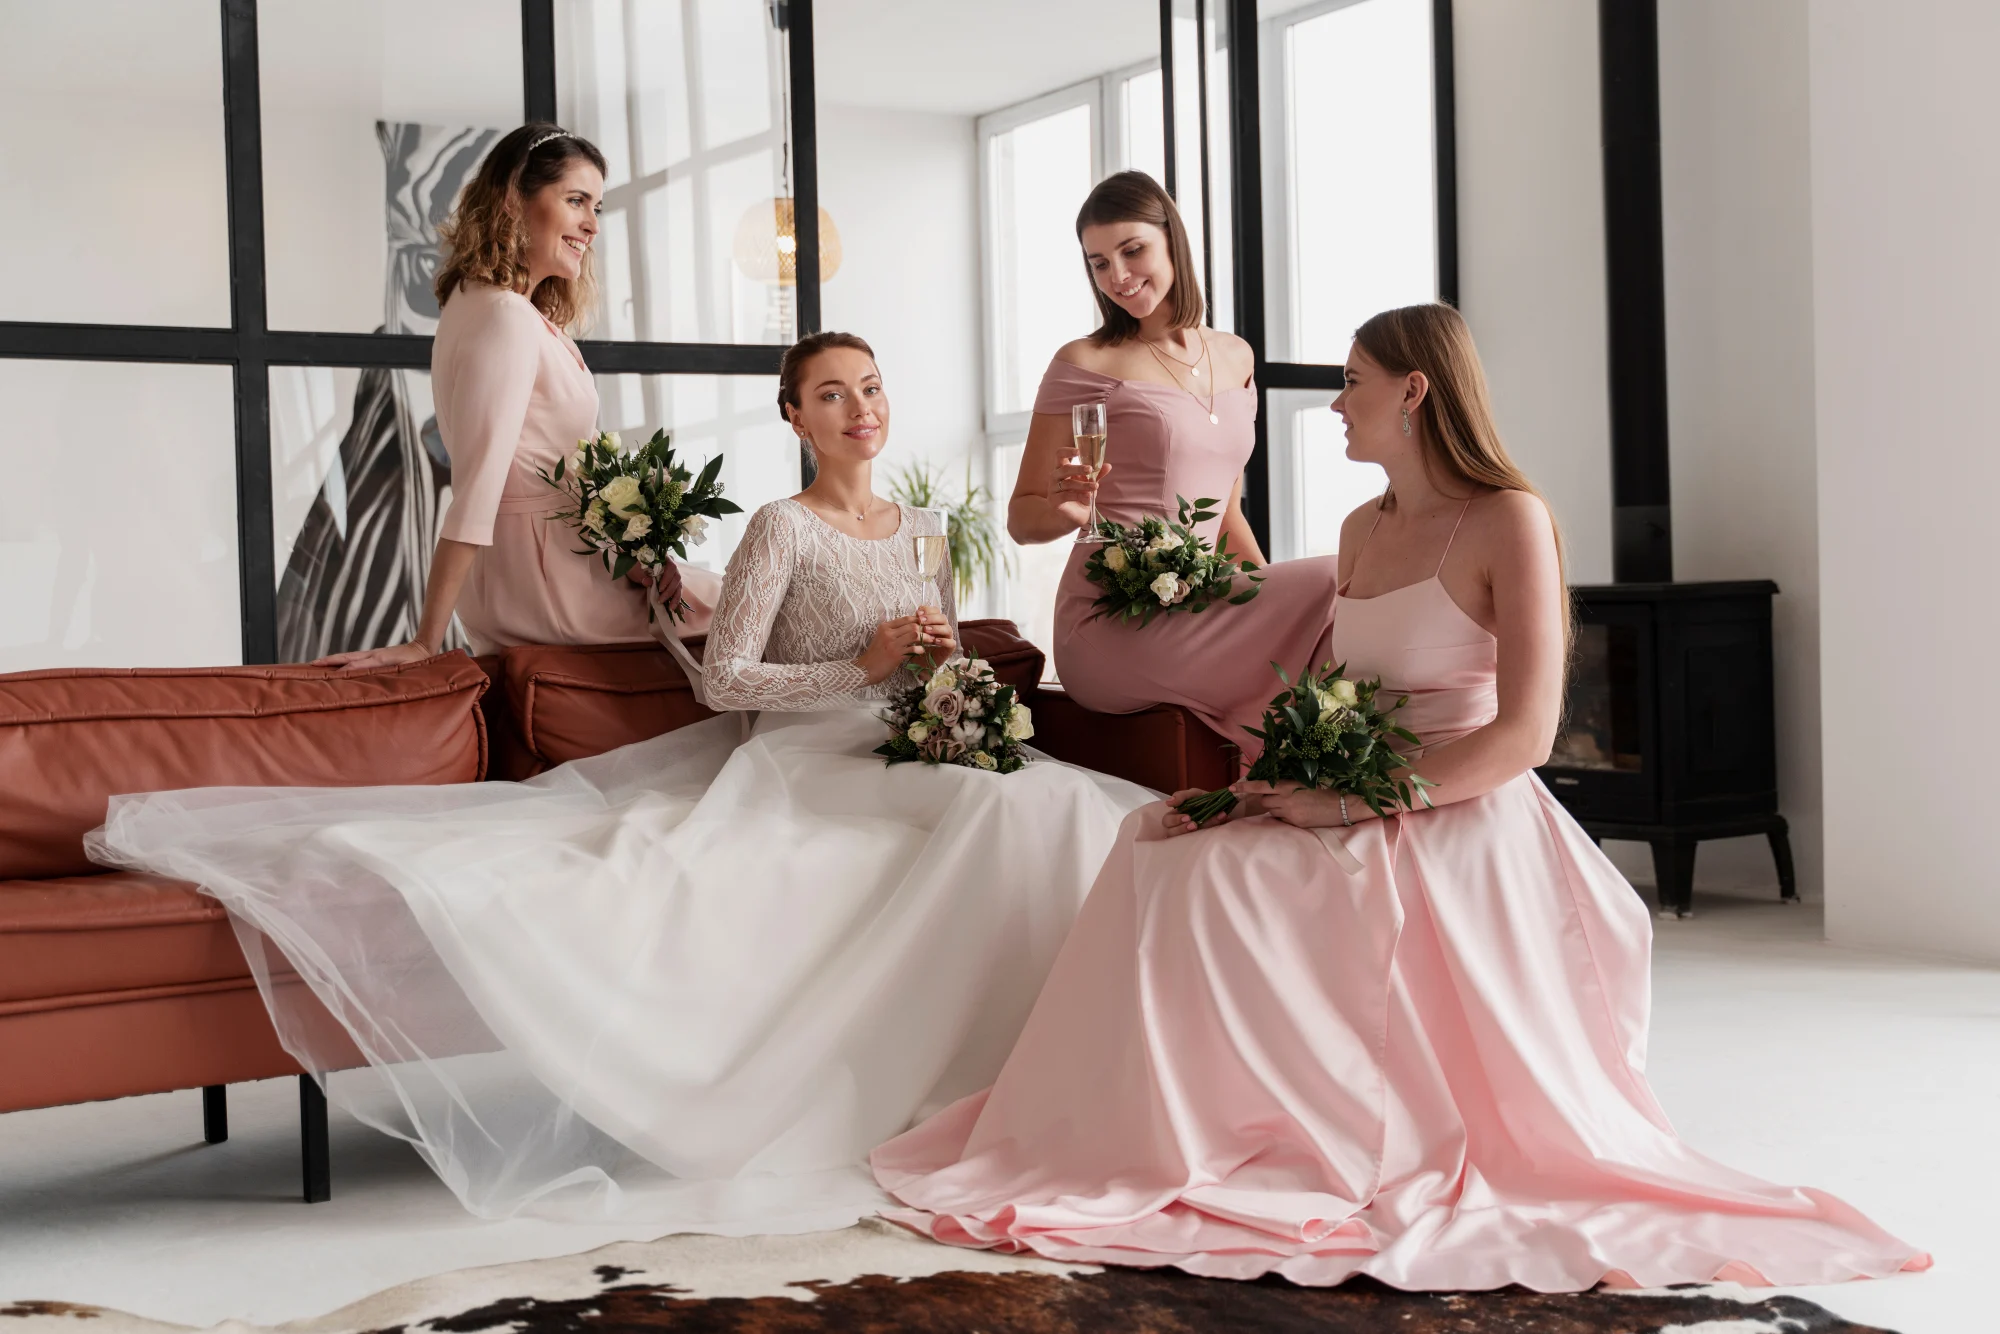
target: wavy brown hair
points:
(486, 240)
(1133, 196)
(1457, 413)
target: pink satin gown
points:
(1161, 444)
(513, 396)
(1248, 1060)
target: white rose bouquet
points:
(1328, 732)
(959, 714)
(1162, 566)
(638, 508)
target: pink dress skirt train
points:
(1432, 1071)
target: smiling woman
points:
(514, 396)
(1181, 410)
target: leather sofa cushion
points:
(76, 936)
(1013, 659)
(1165, 748)
(70, 739)
(568, 701)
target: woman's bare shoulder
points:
(1511, 524)
(1085, 353)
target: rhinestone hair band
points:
(557, 134)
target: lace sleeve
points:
(753, 592)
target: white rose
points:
(1167, 588)
(943, 679)
(577, 460)
(593, 518)
(1020, 724)
(647, 557)
(1345, 692)
(918, 733)
(985, 761)
(611, 438)
(622, 495)
(1114, 559)
(695, 529)
(1164, 542)
(640, 525)
(979, 670)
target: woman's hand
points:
(934, 629)
(393, 656)
(1301, 806)
(894, 644)
(1175, 822)
(1073, 488)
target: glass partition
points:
(113, 199)
(118, 519)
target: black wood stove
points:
(1670, 735)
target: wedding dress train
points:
(692, 981)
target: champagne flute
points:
(933, 552)
(1086, 424)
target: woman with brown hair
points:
(513, 396)
(1181, 409)
(1254, 1056)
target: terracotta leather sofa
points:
(113, 984)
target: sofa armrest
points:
(1165, 748)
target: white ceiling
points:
(966, 57)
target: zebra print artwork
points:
(355, 576)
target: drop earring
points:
(1406, 421)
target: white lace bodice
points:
(801, 600)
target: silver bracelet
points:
(1343, 810)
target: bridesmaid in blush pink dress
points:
(1181, 416)
(1432, 1070)
(513, 396)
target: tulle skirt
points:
(691, 981)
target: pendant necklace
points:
(1213, 419)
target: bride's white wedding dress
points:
(692, 981)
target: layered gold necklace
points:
(1172, 365)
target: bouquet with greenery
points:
(1328, 732)
(971, 537)
(637, 508)
(1160, 566)
(958, 714)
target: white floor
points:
(1876, 1078)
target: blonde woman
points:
(1431, 1070)
(513, 395)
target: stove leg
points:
(1780, 835)
(215, 1113)
(1673, 872)
(315, 1156)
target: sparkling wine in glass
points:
(1086, 423)
(933, 553)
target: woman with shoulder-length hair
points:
(1181, 409)
(1255, 1055)
(513, 396)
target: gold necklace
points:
(1193, 367)
(1213, 420)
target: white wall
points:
(1736, 175)
(903, 188)
(1531, 249)
(1905, 193)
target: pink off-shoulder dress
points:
(1430, 1071)
(1217, 663)
(513, 396)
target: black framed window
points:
(237, 336)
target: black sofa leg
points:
(1781, 852)
(313, 1149)
(1673, 873)
(215, 1113)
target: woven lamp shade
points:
(767, 247)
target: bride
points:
(692, 981)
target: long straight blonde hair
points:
(1457, 413)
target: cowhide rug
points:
(876, 1278)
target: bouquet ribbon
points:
(1337, 850)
